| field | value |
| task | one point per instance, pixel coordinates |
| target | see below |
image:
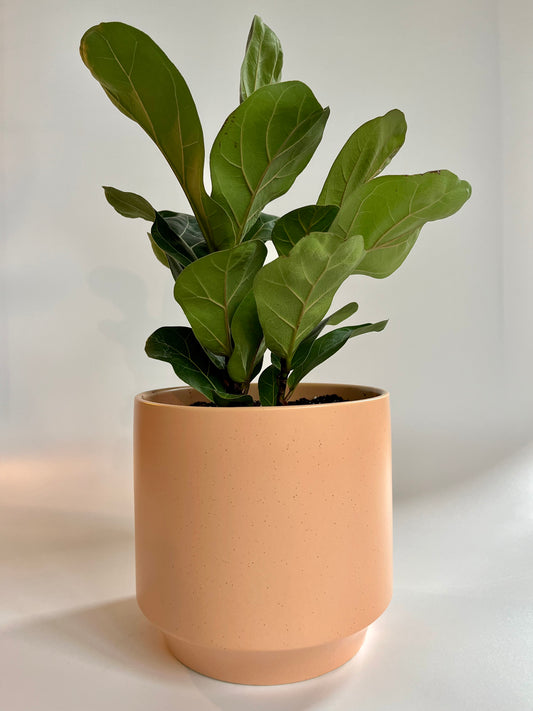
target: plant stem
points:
(282, 382)
(231, 386)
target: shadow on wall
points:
(127, 292)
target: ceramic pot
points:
(263, 535)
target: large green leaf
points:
(309, 355)
(129, 204)
(390, 211)
(293, 293)
(365, 154)
(382, 262)
(262, 147)
(143, 83)
(263, 59)
(210, 289)
(290, 228)
(178, 346)
(220, 225)
(247, 338)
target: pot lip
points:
(378, 394)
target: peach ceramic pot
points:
(263, 535)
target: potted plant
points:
(263, 522)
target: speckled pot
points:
(263, 535)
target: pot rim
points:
(377, 394)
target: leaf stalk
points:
(282, 382)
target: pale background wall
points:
(80, 291)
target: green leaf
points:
(276, 361)
(217, 360)
(247, 338)
(144, 85)
(262, 228)
(390, 212)
(263, 59)
(341, 314)
(220, 225)
(268, 386)
(332, 320)
(230, 400)
(262, 147)
(159, 253)
(299, 223)
(179, 236)
(365, 154)
(165, 259)
(178, 346)
(210, 289)
(129, 204)
(309, 355)
(293, 293)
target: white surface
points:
(458, 634)
(81, 291)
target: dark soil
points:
(318, 400)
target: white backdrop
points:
(80, 290)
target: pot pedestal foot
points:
(266, 668)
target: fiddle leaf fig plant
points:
(238, 306)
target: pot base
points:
(266, 668)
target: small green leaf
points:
(129, 204)
(261, 149)
(210, 289)
(263, 59)
(276, 361)
(176, 240)
(217, 360)
(341, 314)
(247, 338)
(332, 320)
(299, 223)
(262, 228)
(268, 386)
(309, 355)
(293, 293)
(390, 212)
(143, 84)
(365, 154)
(165, 259)
(180, 237)
(159, 253)
(178, 346)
